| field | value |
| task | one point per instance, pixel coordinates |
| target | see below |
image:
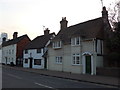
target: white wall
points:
(11, 57)
(2, 35)
(34, 55)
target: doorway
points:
(88, 64)
(45, 63)
(31, 62)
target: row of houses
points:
(78, 48)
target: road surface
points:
(12, 78)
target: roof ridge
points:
(85, 22)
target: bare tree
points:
(114, 13)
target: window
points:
(75, 41)
(26, 60)
(26, 51)
(99, 47)
(9, 51)
(58, 60)
(12, 51)
(76, 59)
(38, 50)
(57, 44)
(37, 61)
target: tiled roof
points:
(13, 41)
(39, 42)
(89, 29)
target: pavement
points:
(104, 80)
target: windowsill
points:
(75, 45)
(59, 63)
(57, 48)
(76, 64)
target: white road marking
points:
(44, 85)
(14, 76)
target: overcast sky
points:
(29, 16)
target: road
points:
(12, 78)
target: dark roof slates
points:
(13, 41)
(89, 29)
(39, 42)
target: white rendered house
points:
(34, 52)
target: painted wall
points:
(9, 53)
(34, 55)
(67, 51)
(2, 35)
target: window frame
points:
(58, 59)
(26, 61)
(38, 51)
(57, 44)
(75, 41)
(76, 61)
(40, 63)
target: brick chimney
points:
(15, 35)
(104, 14)
(46, 31)
(63, 23)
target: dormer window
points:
(75, 41)
(57, 44)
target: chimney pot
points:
(46, 31)
(63, 23)
(15, 35)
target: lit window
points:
(76, 59)
(75, 41)
(58, 60)
(57, 44)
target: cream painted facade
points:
(9, 54)
(86, 48)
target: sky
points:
(29, 16)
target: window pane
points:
(77, 41)
(38, 50)
(37, 61)
(26, 60)
(77, 60)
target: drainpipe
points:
(81, 54)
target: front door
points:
(88, 64)
(45, 63)
(30, 62)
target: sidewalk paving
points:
(104, 80)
